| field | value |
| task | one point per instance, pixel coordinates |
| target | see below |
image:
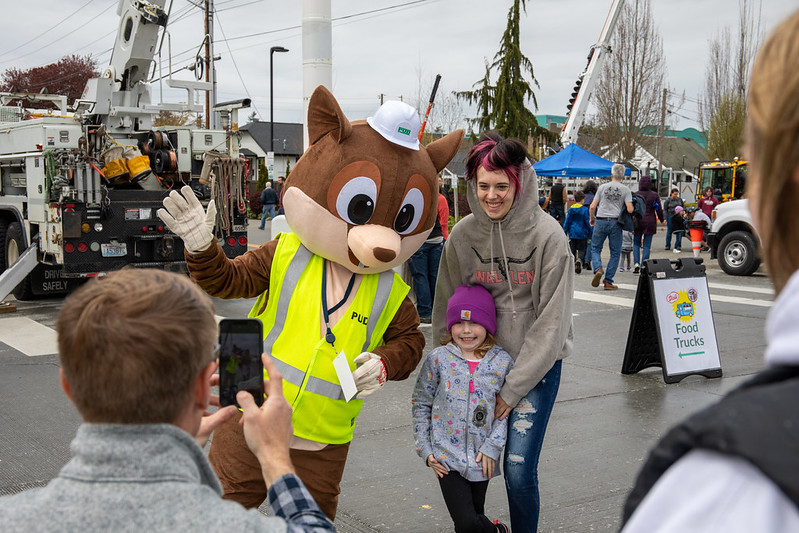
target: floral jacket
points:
(453, 423)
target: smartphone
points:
(240, 365)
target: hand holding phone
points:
(240, 366)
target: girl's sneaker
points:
(501, 528)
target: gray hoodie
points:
(525, 263)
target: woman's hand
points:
(502, 409)
(489, 464)
(439, 469)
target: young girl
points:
(626, 250)
(453, 408)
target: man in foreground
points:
(137, 356)
(605, 208)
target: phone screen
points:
(240, 366)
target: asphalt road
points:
(602, 425)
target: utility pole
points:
(210, 71)
(660, 139)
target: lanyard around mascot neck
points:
(329, 337)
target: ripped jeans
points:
(526, 428)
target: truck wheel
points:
(738, 254)
(13, 248)
(3, 231)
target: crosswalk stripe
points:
(727, 287)
(603, 297)
(28, 336)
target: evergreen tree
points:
(503, 106)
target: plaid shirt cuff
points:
(290, 500)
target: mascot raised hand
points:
(360, 201)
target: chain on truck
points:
(80, 186)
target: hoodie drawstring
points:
(505, 260)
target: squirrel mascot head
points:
(365, 193)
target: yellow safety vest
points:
(292, 336)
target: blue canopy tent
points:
(575, 162)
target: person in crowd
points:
(578, 228)
(605, 209)
(423, 264)
(647, 226)
(626, 251)
(732, 467)
(465, 462)
(136, 349)
(281, 186)
(521, 255)
(269, 202)
(708, 202)
(589, 189)
(697, 218)
(677, 225)
(669, 204)
(556, 201)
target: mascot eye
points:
(356, 201)
(410, 213)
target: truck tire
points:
(13, 246)
(738, 254)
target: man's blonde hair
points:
(132, 344)
(773, 137)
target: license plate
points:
(114, 250)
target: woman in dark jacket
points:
(647, 226)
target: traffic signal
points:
(575, 91)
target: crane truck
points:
(80, 185)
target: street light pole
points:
(272, 96)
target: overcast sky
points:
(377, 46)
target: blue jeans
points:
(558, 213)
(678, 239)
(647, 243)
(424, 269)
(268, 209)
(527, 425)
(610, 230)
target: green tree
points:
(722, 103)
(726, 129)
(502, 106)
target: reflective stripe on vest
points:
(292, 326)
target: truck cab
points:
(733, 240)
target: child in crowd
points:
(626, 250)
(453, 408)
(677, 224)
(578, 228)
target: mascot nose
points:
(374, 245)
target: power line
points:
(235, 65)
(47, 30)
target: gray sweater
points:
(140, 478)
(525, 263)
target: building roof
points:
(287, 141)
(673, 150)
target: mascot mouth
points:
(354, 260)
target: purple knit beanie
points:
(474, 304)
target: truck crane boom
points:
(578, 104)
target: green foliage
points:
(263, 176)
(503, 106)
(726, 131)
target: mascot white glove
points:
(370, 376)
(187, 219)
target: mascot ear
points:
(325, 116)
(444, 149)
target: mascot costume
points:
(360, 201)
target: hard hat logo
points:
(398, 123)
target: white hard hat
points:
(397, 122)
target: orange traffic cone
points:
(696, 240)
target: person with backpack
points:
(611, 198)
(646, 226)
